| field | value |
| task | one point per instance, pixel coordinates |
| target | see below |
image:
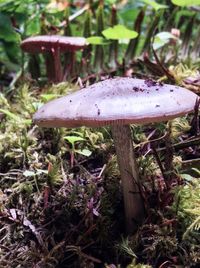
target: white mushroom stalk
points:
(133, 203)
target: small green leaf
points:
(84, 152)
(110, 2)
(37, 105)
(48, 97)
(155, 5)
(97, 40)
(162, 39)
(33, 26)
(119, 32)
(27, 122)
(73, 139)
(183, 3)
(187, 177)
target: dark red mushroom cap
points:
(117, 101)
(45, 43)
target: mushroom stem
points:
(57, 64)
(53, 66)
(133, 203)
(69, 69)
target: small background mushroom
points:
(53, 46)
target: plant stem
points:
(132, 46)
(133, 203)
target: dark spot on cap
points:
(150, 82)
(157, 105)
(171, 90)
(70, 100)
(98, 110)
(136, 89)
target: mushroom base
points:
(133, 203)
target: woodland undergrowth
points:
(60, 198)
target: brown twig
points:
(164, 69)
(184, 144)
(156, 155)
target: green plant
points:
(188, 206)
(185, 2)
(75, 139)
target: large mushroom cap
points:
(117, 101)
(44, 43)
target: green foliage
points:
(128, 15)
(125, 247)
(34, 26)
(7, 32)
(110, 2)
(75, 139)
(42, 185)
(155, 5)
(97, 40)
(118, 32)
(185, 2)
(188, 206)
(163, 38)
(138, 265)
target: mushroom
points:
(119, 102)
(53, 45)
